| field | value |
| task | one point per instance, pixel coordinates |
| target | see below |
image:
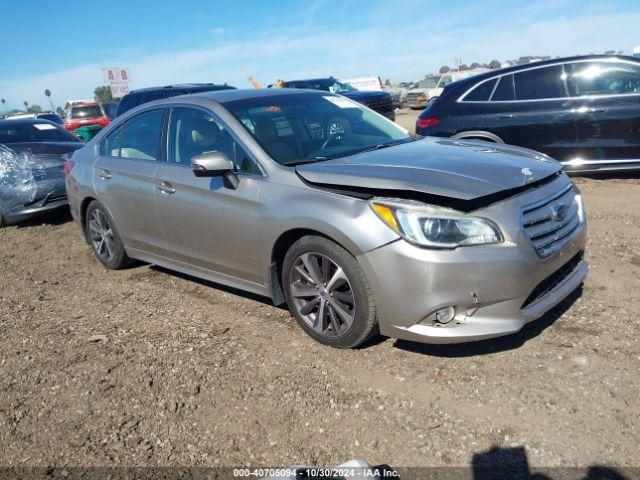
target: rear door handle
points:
(105, 174)
(166, 188)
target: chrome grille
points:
(380, 106)
(413, 97)
(551, 223)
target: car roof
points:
(224, 96)
(25, 121)
(526, 66)
(182, 86)
(319, 79)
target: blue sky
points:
(61, 45)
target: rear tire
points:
(104, 238)
(328, 293)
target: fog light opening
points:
(445, 315)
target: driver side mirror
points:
(211, 164)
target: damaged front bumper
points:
(495, 290)
(30, 184)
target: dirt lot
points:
(146, 367)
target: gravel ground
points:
(147, 367)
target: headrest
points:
(266, 129)
(203, 132)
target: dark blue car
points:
(582, 111)
(380, 102)
(144, 95)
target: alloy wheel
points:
(322, 294)
(101, 234)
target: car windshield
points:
(33, 132)
(429, 82)
(86, 111)
(310, 127)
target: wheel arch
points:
(279, 250)
(84, 205)
(479, 135)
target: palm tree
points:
(26, 105)
(47, 94)
(4, 103)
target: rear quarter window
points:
(481, 92)
(504, 91)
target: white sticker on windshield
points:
(44, 126)
(341, 102)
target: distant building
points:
(532, 58)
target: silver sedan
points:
(360, 230)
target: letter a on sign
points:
(112, 77)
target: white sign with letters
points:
(117, 78)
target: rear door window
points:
(505, 90)
(141, 136)
(540, 83)
(110, 146)
(482, 92)
(603, 78)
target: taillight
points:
(427, 122)
(68, 165)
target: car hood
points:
(455, 169)
(366, 96)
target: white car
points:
(430, 88)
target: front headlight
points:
(435, 227)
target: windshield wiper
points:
(306, 160)
(380, 146)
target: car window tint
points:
(482, 92)
(245, 163)
(33, 132)
(504, 91)
(86, 111)
(193, 132)
(540, 83)
(140, 138)
(110, 146)
(604, 78)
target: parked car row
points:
(582, 111)
(362, 230)
(357, 225)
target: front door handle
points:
(166, 188)
(105, 174)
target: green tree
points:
(60, 111)
(26, 105)
(4, 104)
(47, 94)
(102, 94)
(34, 109)
(387, 82)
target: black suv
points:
(378, 101)
(144, 95)
(582, 111)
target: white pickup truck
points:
(431, 87)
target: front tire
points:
(104, 238)
(328, 293)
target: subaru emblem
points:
(559, 211)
